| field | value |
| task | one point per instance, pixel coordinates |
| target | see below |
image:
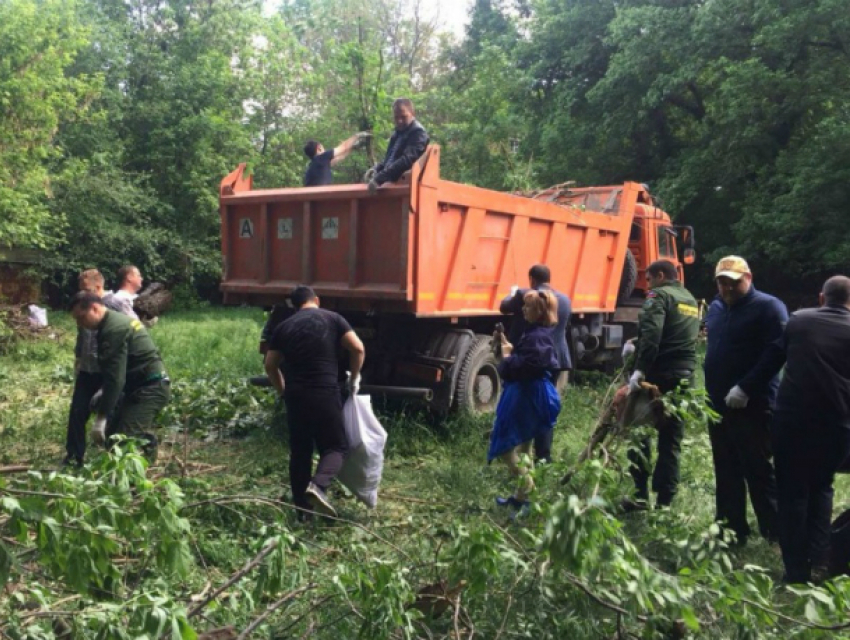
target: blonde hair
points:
(90, 280)
(543, 307)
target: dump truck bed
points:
(427, 246)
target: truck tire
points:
(628, 281)
(478, 383)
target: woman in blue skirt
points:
(529, 404)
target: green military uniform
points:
(130, 363)
(668, 327)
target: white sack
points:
(364, 464)
(37, 316)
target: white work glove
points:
(373, 187)
(362, 139)
(628, 349)
(736, 398)
(95, 400)
(353, 384)
(98, 431)
(635, 380)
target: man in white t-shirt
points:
(129, 284)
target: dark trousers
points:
(85, 386)
(315, 421)
(543, 445)
(807, 455)
(740, 446)
(665, 475)
(137, 413)
(543, 441)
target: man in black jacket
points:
(407, 144)
(742, 325)
(811, 427)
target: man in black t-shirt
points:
(303, 366)
(319, 170)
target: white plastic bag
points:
(364, 464)
(37, 316)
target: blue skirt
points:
(525, 410)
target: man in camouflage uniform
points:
(665, 355)
(87, 380)
(129, 362)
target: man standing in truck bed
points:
(665, 355)
(319, 170)
(539, 277)
(407, 145)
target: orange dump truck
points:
(419, 269)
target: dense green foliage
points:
(205, 539)
(118, 118)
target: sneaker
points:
(319, 501)
(629, 505)
(510, 501)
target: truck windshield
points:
(666, 245)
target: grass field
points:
(573, 569)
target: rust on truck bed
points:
(426, 246)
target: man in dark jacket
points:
(665, 355)
(742, 323)
(811, 426)
(407, 145)
(539, 277)
(129, 363)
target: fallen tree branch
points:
(236, 577)
(279, 504)
(15, 468)
(272, 608)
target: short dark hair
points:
(404, 102)
(123, 272)
(310, 149)
(84, 300)
(301, 295)
(540, 273)
(836, 291)
(663, 267)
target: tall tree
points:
(39, 40)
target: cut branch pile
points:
(15, 325)
(619, 411)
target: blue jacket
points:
(533, 356)
(513, 305)
(737, 351)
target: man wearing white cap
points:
(742, 324)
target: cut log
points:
(153, 301)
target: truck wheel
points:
(628, 281)
(478, 383)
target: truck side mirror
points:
(690, 256)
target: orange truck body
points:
(429, 249)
